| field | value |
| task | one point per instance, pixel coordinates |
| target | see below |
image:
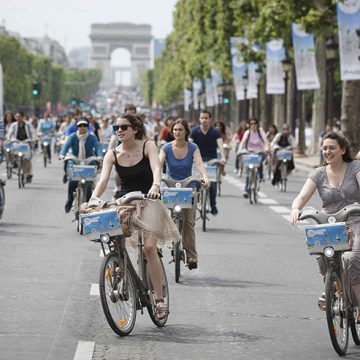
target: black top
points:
(135, 178)
(207, 143)
(284, 141)
(21, 134)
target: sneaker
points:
(65, 178)
(236, 171)
(192, 264)
(29, 178)
(68, 207)
(245, 195)
(214, 211)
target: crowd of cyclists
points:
(141, 150)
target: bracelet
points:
(158, 185)
(294, 208)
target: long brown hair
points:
(136, 124)
(185, 124)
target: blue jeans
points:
(261, 172)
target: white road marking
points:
(280, 209)
(286, 217)
(261, 195)
(84, 350)
(268, 201)
(94, 290)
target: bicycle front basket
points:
(319, 237)
(284, 155)
(78, 172)
(251, 159)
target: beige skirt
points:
(155, 221)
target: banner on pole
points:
(275, 53)
(252, 92)
(238, 66)
(209, 91)
(216, 81)
(348, 15)
(305, 63)
(197, 90)
(187, 99)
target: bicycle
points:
(85, 174)
(178, 196)
(123, 291)
(9, 158)
(252, 163)
(221, 168)
(284, 156)
(46, 147)
(21, 151)
(211, 168)
(2, 190)
(330, 241)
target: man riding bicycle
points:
(21, 130)
(83, 145)
(208, 139)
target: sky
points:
(69, 21)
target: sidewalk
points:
(306, 163)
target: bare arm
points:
(304, 196)
(200, 166)
(152, 154)
(220, 145)
(162, 157)
(105, 174)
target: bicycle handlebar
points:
(214, 162)
(77, 161)
(323, 218)
(184, 183)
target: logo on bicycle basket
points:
(316, 232)
(88, 221)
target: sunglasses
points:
(82, 125)
(121, 127)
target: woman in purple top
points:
(179, 155)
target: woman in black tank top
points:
(137, 163)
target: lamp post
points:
(287, 68)
(331, 49)
(220, 101)
(358, 35)
(245, 85)
(258, 72)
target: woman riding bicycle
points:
(337, 182)
(179, 155)
(254, 140)
(136, 162)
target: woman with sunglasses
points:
(255, 141)
(179, 155)
(136, 161)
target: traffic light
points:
(226, 100)
(81, 103)
(74, 101)
(36, 89)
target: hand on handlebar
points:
(153, 192)
(294, 215)
(223, 161)
(206, 182)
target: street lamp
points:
(286, 63)
(220, 101)
(245, 85)
(258, 72)
(331, 54)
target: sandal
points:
(321, 302)
(191, 264)
(161, 308)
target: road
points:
(253, 296)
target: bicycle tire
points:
(203, 210)
(20, 174)
(151, 306)
(355, 327)
(177, 252)
(122, 319)
(45, 156)
(283, 176)
(336, 311)
(80, 199)
(250, 192)
(255, 190)
(8, 170)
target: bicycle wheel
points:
(177, 252)
(250, 185)
(203, 209)
(354, 326)
(255, 189)
(45, 156)
(20, 174)
(336, 311)
(8, 167)
(283, 176)
(118, 298)
(79, 200)
(151, 306)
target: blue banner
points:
(305, 63)
(348, 14)
(275, 53)
(238, 66)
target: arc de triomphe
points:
(105, 38)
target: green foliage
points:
(202, 31)
(21, 69)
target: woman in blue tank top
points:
(179, 155)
